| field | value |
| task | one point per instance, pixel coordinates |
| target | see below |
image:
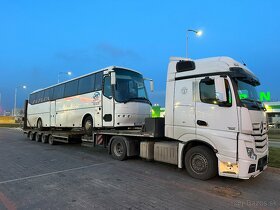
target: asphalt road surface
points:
(41, 176)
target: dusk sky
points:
(39, 39)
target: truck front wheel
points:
(118, 148)
(201, 162)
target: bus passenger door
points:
(52, 114)
(107, 103)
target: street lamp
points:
(69, 73)
(197, 32)
(16, 89)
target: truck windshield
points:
(129, 87)
(248, 95)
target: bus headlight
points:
(250, 153)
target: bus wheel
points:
(32, 136)
(201, 162)
(45, 138)
(40, 125)
(51, 140)
(118, 148)
(88, 125)
(38, 137)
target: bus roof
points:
(100, 70)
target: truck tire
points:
(88, 125)
(118, 148)
(38, 137)
(51, 140)
(32, 136)
(45, 139)
(201, 162)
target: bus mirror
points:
(113, 78)
(220, 89)
(152, 85)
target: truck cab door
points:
(107, 102)
(216, 121)
(184, 110)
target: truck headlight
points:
(250, 153)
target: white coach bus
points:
(111, 97)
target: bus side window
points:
(98, 81)
(48, 94)
(32, 98)
(39, 97)
(71, 88)
(86, 84)
(107, 90)
(58, 92)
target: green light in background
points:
(265, 96)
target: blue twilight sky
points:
(38, 39)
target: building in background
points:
(273, 113)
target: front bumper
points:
(244, 169)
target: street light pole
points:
(59, 73)
(15, 103)
(198, 33)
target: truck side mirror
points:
(113, 78)
(220, 89)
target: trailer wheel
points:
(45, 138)
(88, 125)
(51, 140)
(38, 137)
(32, 136)
(118, 148)
(40, 124)
(28, 134)
(201, 162)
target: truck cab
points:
(213, 103)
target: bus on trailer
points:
(91, 101)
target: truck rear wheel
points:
(38, 137)
(201, 162)
(51, 140)
(45, 138)
(118, 148)
(32, 136)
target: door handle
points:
(201, 123)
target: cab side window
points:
(207, 91)
(208, 94)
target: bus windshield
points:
(129, 87)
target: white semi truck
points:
(214, 123)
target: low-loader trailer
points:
(214, 123)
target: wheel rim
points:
(118, 149)
(88, 125)
(39, 124)
(199, 163)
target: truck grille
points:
(260, 136)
